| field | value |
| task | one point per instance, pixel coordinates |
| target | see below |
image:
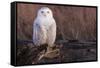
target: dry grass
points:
(72, 22)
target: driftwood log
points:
(74, 44)
(69, 51)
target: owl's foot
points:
(51, 53)
(51, 48)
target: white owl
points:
(44, 27)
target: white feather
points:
(44, 28)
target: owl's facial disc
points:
(45, 12)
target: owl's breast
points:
(47, 23)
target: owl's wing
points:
(35, 33)
(51, 34)
(39, 33)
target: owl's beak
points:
(44, 14)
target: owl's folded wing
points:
(39, 34)
(51, 34)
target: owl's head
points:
(45, 12)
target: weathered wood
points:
(69, 51)
(74, 44)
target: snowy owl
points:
(44, 27)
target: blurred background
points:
(73, 23)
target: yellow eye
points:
(42, 12)
(47, 11)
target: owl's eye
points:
(42, 12)
(47, 11)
